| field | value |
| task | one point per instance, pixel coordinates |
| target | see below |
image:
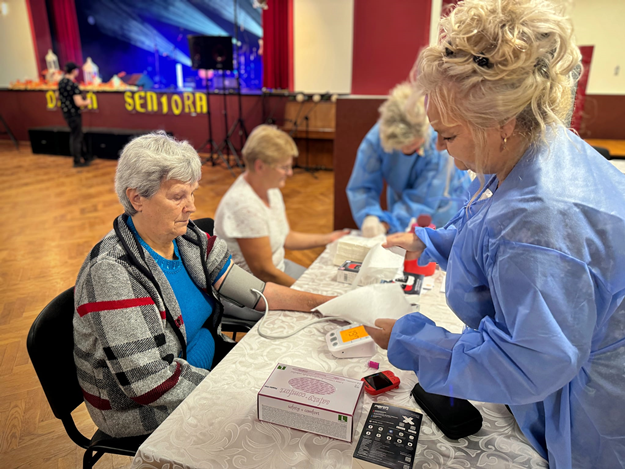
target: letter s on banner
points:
(130, 102)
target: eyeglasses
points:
(285, 168)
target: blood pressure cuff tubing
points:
(237, 287)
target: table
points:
(217, 425)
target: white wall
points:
(323, 33)
(17, 52)
(435, 16)
(601, 23)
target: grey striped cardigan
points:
(129, 334)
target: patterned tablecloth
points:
(217, 425)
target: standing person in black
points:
(71, 102)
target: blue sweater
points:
(195, 305)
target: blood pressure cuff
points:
(237, 287)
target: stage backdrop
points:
(150, 37)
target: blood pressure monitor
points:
(350, 342)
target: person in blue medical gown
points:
(401, 150)
(536, 259)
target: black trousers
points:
(76, 138)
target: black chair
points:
(50, 345)
(228, 323)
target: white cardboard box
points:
(311, 401)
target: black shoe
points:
(82, 164)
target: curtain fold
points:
(67, 35)
(278, 45)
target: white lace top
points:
(242, 214)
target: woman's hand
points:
(381, 337)
(331, 237)
(408, 241)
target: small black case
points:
(456, 421)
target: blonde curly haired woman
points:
(400, 149)
(536, 261)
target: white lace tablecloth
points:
(217, 425)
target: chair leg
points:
(87, 462)
(89, 459)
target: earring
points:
(503, 145)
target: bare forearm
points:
(273, 274)
(297, 241)
(283, 298)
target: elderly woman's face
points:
(168, 211)
(276, 174)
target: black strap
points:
(142, 267)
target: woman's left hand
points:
(381, 337)
(337, 235)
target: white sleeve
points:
(243, 217)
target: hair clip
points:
(481, 61)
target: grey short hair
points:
(149, 160)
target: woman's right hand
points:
(408, 241)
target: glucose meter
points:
(350, 342)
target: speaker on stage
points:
(211, 52)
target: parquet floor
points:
(53, 214)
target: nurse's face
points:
(457, 139)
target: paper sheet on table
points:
(366, 304)
(380, 264)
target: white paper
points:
(366, 304)
(354, 248)
(380, 264)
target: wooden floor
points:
(53, 214)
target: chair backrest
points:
(207, 225)
(50, 345)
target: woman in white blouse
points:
(251, 217)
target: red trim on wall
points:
(580, 94)
(40, 31)
(387, 39)
(290, 45)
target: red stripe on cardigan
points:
(97, 402)
(211, 243)
(158, 391)
(112, 305)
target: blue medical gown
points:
(537, 272)
(429, 184)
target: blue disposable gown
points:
(537, 272)
(429, 184)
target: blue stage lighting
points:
(225, 9)
(115, 19)
(179, 13)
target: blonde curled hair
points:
(268, 144)
(496, 60)
(402, 118)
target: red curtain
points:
(278, 45)
(65, 25)
(40, 30)
(580, 94)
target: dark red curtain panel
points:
(40, 30)
(278, 45)
(580, 94)
(65, 26)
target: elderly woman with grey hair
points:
(400, 149)
(149, 295)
